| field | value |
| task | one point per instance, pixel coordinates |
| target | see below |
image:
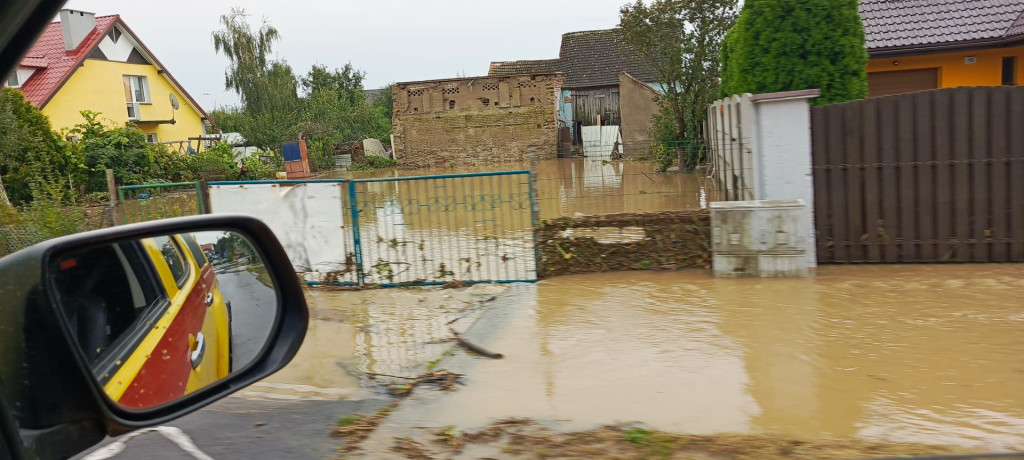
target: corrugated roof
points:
(586, 59)
(895, 24)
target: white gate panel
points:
(307, 218)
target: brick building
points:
(475, 120)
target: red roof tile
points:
(35, 62)
(60, 64)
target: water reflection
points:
(895, 353)
(567, 186)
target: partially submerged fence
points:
(934, 176)
(139, 203)
(424, 230)
(444, 228)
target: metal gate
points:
(139, 203)
(404, 231)
(430, 230)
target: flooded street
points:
(926, 354)
(384, 331)
(590, 185)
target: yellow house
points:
(94, 63)
(917, 45)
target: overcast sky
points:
(391, 40)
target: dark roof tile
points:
(907, 23)
(589, 58)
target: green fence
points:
(139, 203)
(427, 230)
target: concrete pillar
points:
(783, 153)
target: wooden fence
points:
(934, 176)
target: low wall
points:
(669, 240)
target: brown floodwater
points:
(480, 228)
(590, 185)
(385, 331)
(925, 354)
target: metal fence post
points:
(357, 244)
(531, 176)
(203, 197)
(114, 193)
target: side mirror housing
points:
(58, 394)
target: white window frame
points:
(152, 138)
(136, 84)
(17, 81)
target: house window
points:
(136, 92)
(12, 81)
(1010, 70)
(151, 138)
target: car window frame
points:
(105, 365)
(183, 280)
(195, 249)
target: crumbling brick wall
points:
(669, 240)
(475, 120)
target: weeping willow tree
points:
(266, 87)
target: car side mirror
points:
(109, 331)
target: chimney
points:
(76, 25)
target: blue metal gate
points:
(430, 230)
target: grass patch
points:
(431, 365)
(348, 421)
(262, 274)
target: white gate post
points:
(783, 154)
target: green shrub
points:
(783, 45)
(263, 165)
(371, 162)
(215, 164)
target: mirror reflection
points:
(158, 318)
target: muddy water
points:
(930, 354)
(385, 331)
(591, 185)
(480, 228)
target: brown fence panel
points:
(854, 183)
(921, 177)
(872, 181)
(1000, 169)
(888, 227)
(980, 178)
(837, 182)
(908, 187)
(1016, 122)
(821, 186)
(924, 147)
(961, 173)
(943, 196)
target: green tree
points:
(335, 110)
(783, 45)
(267, 88)
(229, 119)
(681, 41)
(346, 82)
(30, 151)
